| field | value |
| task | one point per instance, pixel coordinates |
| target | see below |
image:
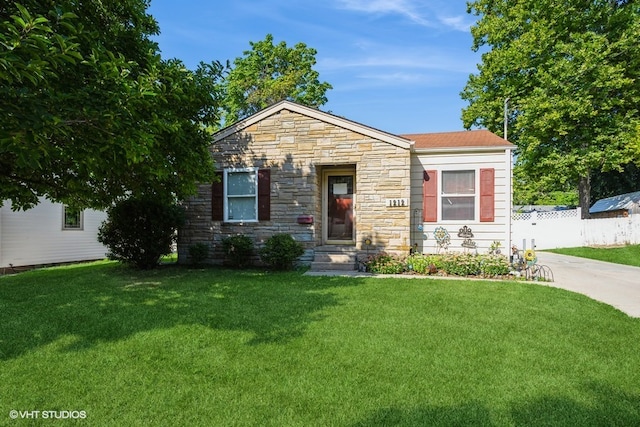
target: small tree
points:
(237, 250)
(140, 231)
(281, 251)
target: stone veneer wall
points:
(298, 148)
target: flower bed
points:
(448, 264)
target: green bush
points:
(198, 253)
(461, 264)
(424, 264)
(384, 263)
(281, 251)
(494, 265)
(237, 250)
(455, 264)
(140, 231)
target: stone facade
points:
(299, 148)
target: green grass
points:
(217, 347)
(628, 255)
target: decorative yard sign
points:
(466, 233)
(442, 238)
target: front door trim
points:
(326, 238)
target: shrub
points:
(455, 264)
(237, 250)
(461, 264)
(281, 251)
(140, 231)
(423, 264)
(198, 253)
(385, 263)
(494, 265)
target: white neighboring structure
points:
(48, 234)
(566, 229)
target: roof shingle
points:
(468, 138)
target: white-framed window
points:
(458, 195)
(72, 219)
(241, 195)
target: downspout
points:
(509, 169)
(506, 117)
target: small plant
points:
(494, 265)
(461, 264)
(494, 248)
(198, 253)
(281, 251)
(237, 250)
(385, 263)
(423, 264)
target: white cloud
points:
(403, 61)
(434, 14)
(459, 23)
(402, 7)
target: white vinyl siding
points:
(36, 236)
(484, 232)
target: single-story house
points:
(344, 189)
(48, 233)
(622, 205)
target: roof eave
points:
(468, 149)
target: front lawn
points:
(218, 347)
(628, 255)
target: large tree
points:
(89, 111)
(270, 73)
(570, 70)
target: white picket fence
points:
(565, 229)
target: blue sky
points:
(395, 65)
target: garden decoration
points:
(466, 233)
(526, 262)
(442, 238)
(362, 263)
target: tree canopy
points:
(90, 111)
(270, 73)
(570, 70)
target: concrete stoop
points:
(334, 258)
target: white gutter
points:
(470, 149)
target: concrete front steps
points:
(334, 258)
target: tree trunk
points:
(584, 195)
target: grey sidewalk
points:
(614, 284)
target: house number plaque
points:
(397, 203)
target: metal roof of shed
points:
(616, 203)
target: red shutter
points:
(430, 196)
(487, 195)
(264, 194)
(217, 198)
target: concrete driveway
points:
(614, 284)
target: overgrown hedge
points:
(457, 264)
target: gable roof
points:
(316, 114)
(455, 140)
(615, 203)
